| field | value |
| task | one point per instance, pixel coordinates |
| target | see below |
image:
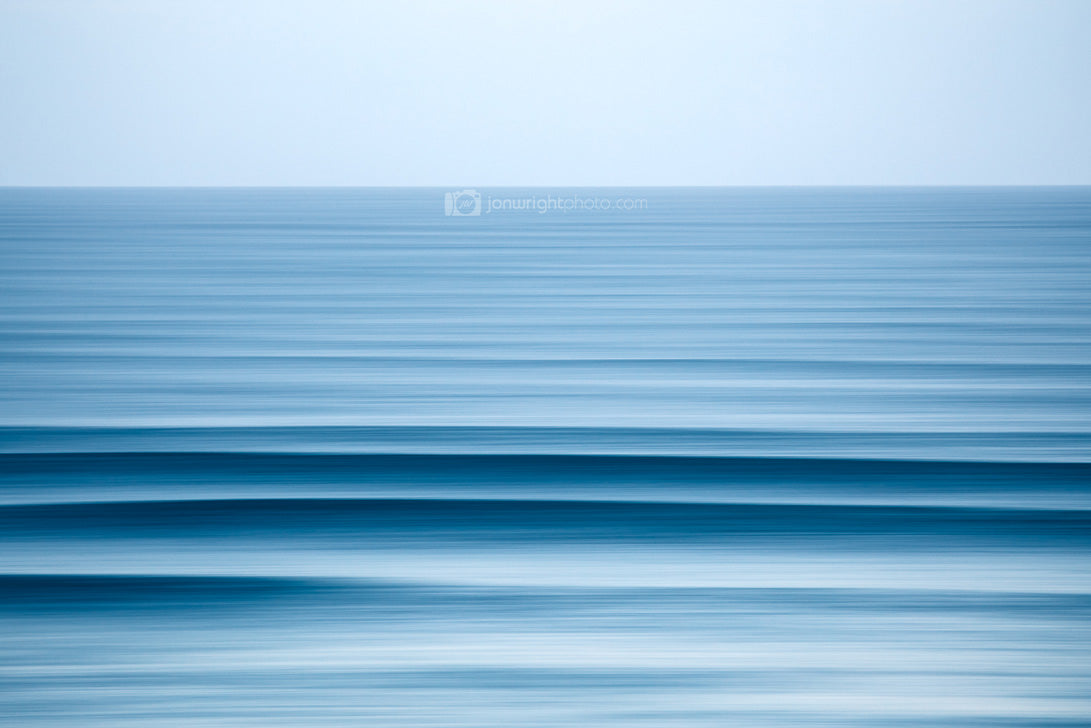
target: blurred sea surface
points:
(754, 457)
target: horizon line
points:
(540, 186)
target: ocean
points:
(683, 457)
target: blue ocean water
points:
(755, 457)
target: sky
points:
(451, 93)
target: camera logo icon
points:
(462, 203)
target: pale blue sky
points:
(260, 92)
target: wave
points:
(1023, 445)
(175, 476)
(432, 522)
(59, 592)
